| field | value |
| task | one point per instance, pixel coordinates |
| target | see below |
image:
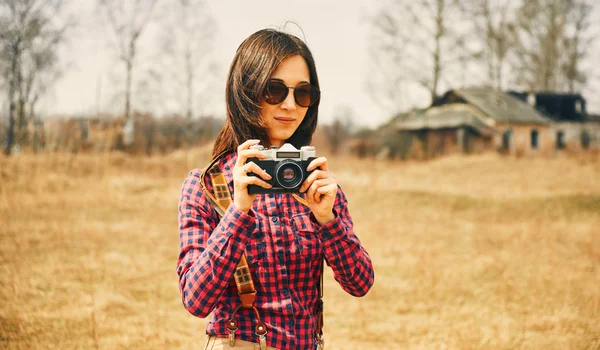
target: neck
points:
(277, 143)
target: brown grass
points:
(479, 252)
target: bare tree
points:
(492, 20)
(187, 45)
(127, 20)
(386, 53)
(577, 43)
(417, 41)
(537, 36)
(550, 40)
(30, 37)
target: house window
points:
(507, 140)
(586, 139)
(560, 140)
(535, 142)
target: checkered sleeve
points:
(350, 262)
(209, 249)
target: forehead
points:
(292, 70)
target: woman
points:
(272, 98)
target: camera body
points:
(286, 165)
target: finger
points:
(247, 144)
(317, 174)
(308, 182)
(254, 168)
(320, 162)
(326, 191)
(243, 155)
(312, 190)
(244, 181)
(330, 189)
(310, 193)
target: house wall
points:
(548, 137)
(426, 144)
(573, 136)
(417, 146)
(521, 143)
(443, 141)
(480, 144)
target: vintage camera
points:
(286, 165)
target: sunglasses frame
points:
(287, 92)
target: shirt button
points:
(285, 292)
(274, 219)
(280, 255)
(290, 322)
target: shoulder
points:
(227, 163)
(191, 186)
(194, 176)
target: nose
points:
(289, 103)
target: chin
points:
(282, 137)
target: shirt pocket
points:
(306, 240)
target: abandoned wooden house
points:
(474, 120)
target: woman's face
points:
(283, 119)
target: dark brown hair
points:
(254, 62)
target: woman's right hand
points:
(241, 180)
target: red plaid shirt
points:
(283, 245)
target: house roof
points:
(500, 106)
(556, 105)
(447, 116)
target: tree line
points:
(32, 33)
(428, 46)
(433, 44)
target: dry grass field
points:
(479, 252)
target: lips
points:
(285, 120)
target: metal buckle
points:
(231, 338)
(262, 341)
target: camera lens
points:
(288, 173)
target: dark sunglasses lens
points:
(306, 95)
(275, 92)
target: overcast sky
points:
(335, 30)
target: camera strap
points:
(242, 276)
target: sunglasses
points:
(305, 94)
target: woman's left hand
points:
(321, 190)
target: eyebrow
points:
(281, 80)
